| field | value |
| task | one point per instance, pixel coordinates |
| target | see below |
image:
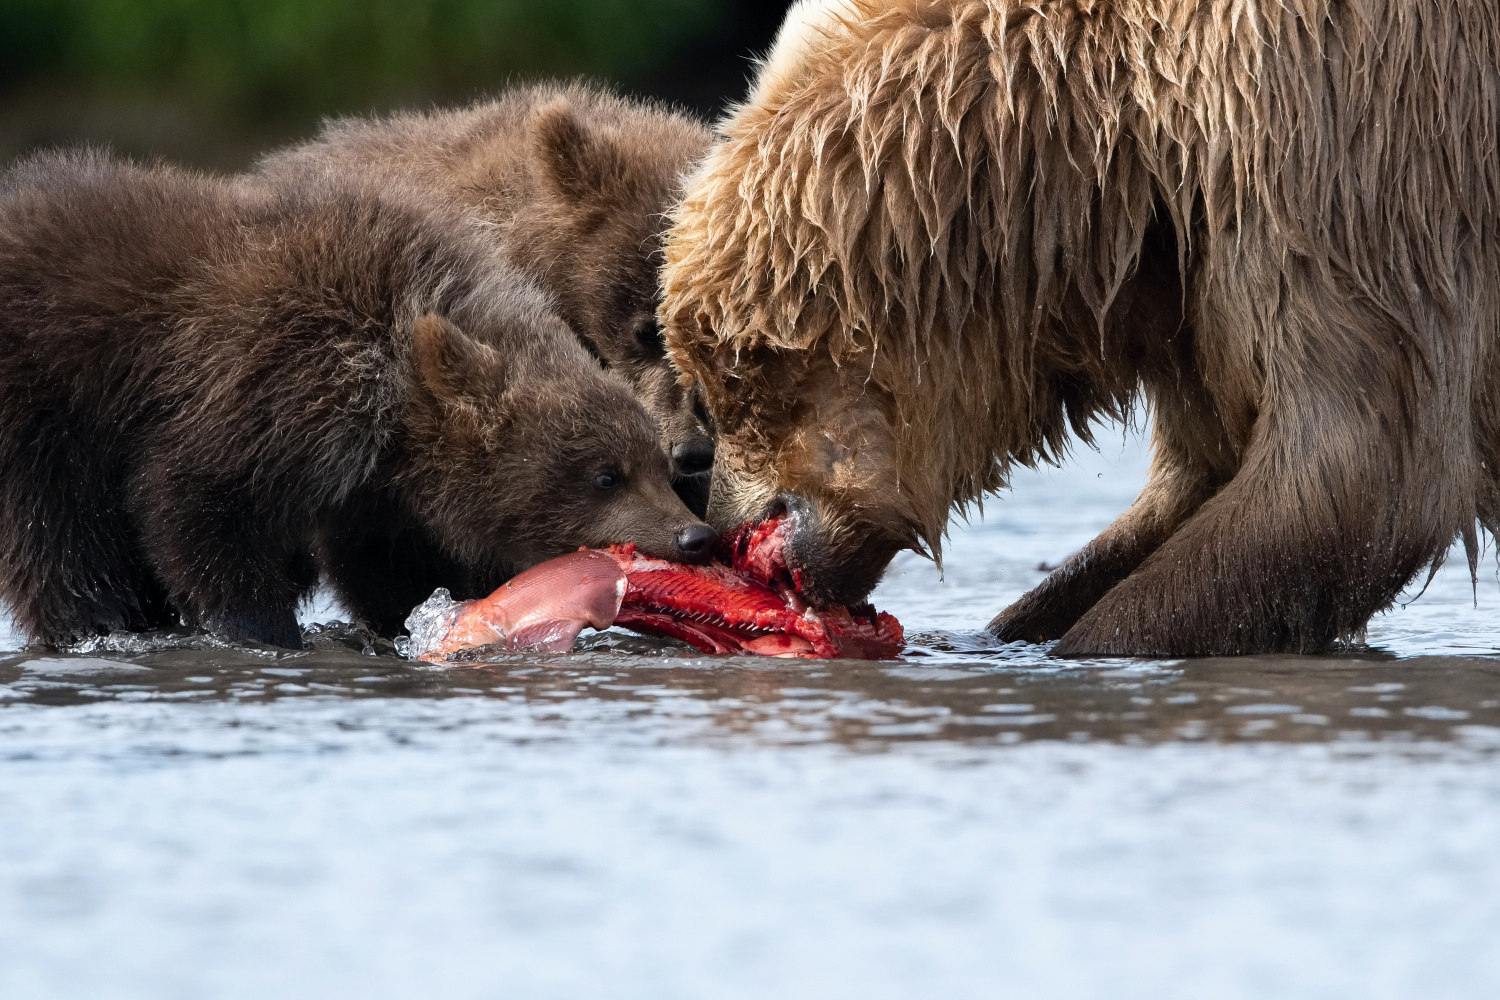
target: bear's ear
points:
(453, 365)
(580, 165)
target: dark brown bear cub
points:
(211, 393)
(573, 185)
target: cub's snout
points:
(696, 544)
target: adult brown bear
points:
(943, 233)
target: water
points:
(180, 819)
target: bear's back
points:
(83, 236)
(485, 155)
(135, 293)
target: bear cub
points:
(573, 185)
(211, 393)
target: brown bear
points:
(944, 235)
(211, 392)
(574, 185)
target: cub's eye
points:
(648, 335)
(606, 480)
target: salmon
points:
(744, 603)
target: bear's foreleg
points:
(1180, 482)
(1319, 530)
(1353, 451)
(1049, 610)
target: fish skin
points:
(541, 610)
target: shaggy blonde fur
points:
(969, 227)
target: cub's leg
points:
(74, 578)
(71, 566)
(239, 569)
(382, 565)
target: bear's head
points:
(823, 441)
(830, 288)
(604, 173)
(522, 458)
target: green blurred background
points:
(215, 82)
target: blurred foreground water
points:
(179, 819)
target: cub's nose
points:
(696, 544)
(693, 457)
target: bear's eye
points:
(648, 335)
(606, 480)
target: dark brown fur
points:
(944, 234)
(210, 393)
(574, 185)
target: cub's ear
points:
(581, 165)
(453, 365)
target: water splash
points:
(429, 624)
(161, 641)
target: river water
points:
(634, 821)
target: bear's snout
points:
(696, 544)
(693, 457)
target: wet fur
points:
(573, 184)
(212, 393)
(986, 224)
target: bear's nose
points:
(697, 544)
(693, 457)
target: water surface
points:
(180, 819)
